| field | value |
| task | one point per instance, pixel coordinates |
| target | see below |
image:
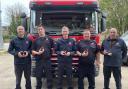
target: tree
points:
(13, 16)
(117, 14)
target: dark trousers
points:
(86, 71)
(43, 68)
(107, 75)
(64, 68)
(19, 69)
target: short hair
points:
(86, 30)
(40, 25)
(20, 27)
(65, 27)
(113, 29)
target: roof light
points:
(47, 3)
(80, 3)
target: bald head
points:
(113, 33)
(65, 29)
(65, 32)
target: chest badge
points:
(46, 39)
(92, 44)
(70, 43)
(26, 42)
(117, 44)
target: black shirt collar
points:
(21, 38)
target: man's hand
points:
(78, 53)
(68, 54)
(105, 52)
(20, 54)
(85, 54)
(37, 52)
(40, 51)
(62, 53)
(25, 53)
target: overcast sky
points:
(5, 3)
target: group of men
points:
(113, 48)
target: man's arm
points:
(124, 50)
(102, 48)
(78, 50)
(34, 51)
(56, 46)
(30, 47)
(52, 46)
(74, 48)
(11, 48)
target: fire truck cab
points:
(76, 14)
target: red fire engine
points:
(76, 14)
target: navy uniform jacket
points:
(65, 45)
(92, 48)
(45, 42)
(118, 49)
(20, 44)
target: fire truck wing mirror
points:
(23, 17)
(104, 15)
(103, 22)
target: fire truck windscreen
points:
(54, 21)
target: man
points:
(114, 50)
(65, 48)
(88, 53)
(20, 48)
(42, 50)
